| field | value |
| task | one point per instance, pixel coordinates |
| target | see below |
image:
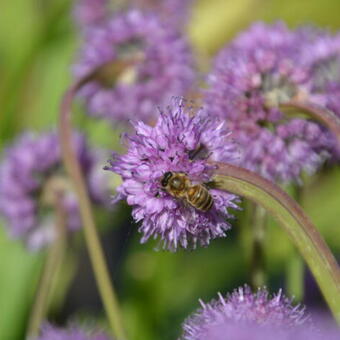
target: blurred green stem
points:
(293, 220)
(14, 90)
(295, 276)
(101, 272)
(258, 226)
(52, 263)
(295, 272)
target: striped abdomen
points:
(199, 197)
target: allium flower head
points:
(90, 12)
(251, 331)
(320, 56)
(170, 147)
(50, 332)
(175, 12)
(30, 173)
(251, 78)
(144, 62)
(249, 312)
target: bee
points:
(178, 185)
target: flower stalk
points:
(293, 220)
(295, 271)
(72, 166)
(258, 230)
(52, 263)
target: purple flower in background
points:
(243, 314)
(181, 142)
(175, 12)
(250, 331)
(30, 174)
(320, 56)
(251, 78)
(90, 12)
(145, 63)
(72, 333)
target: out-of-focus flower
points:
(244, 315)
(251, 78)
(181, 142)
(30, 175)
(175, 12)
(250, 331)
(90, 12)
(320, 56)
(50, 332)
(142, 61)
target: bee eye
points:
(165, 179)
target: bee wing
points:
(210, 185)
(200, 153)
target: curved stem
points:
(321, 114)
(257, 265)
(54, 259)
(295, 272)
(293, 220)
(91, 236)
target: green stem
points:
(295, 276)
(293, 220)
(53, 261)
(295, 267)
(258, 226)
(91, 236)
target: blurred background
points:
(157, 289)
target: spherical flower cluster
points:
(50, 332)
(181, 142)
(142, 61)
(90, 12)
(175, 12)
(320, 56)
(241, 331)
(251, 78)
(242, 314)
(30, 175)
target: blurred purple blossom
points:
(245, 315)
(249, 331)
(168, 146)
(174, 12)
(320, 55)
(30, 170)
(160, 66)
(50, 332)
(251, 78)
(90, 12)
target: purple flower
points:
(320, 56)
(250, 331)
(175, 12)
(90, 12)
(251, 78)
(323, 66)
(243, 314)
(30, 173)
(157, 65)
(50, 332)
(170, 146)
